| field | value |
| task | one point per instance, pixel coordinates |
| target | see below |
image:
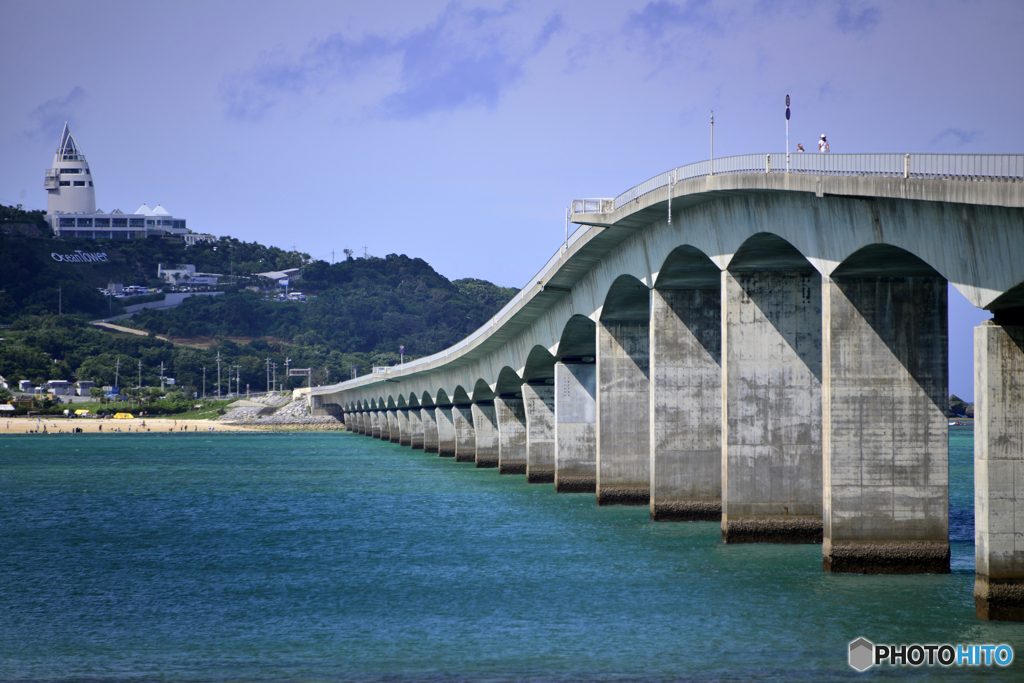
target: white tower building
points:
(69, 182)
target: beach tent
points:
(6, 407)
(82, 413)
(124, 416)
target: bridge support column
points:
(539, 405)
(445, 432)
(623, 417)
(465, 437)
(575, 395)
(686, 405)
(404, 430)
(362, 422)
(430, 441)
(999, 470)
(415, 429)
(394, 429)
(380, 425)
(886, 447)
(771, 407)
(485, 432)
(511, 416)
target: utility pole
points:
(161, 375)
(238, 380)
(218, 374)
(287, 366)
(117, 374)
(273, 367)
(204, 382)
(711, 171)
(268, 374)
(355, 371)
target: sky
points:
(458, 132)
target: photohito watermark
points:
(864, 654)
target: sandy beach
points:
(23, 425)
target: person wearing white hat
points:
(822, 144)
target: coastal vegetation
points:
(357, 315)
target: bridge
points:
(759, 340)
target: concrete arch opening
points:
(686, 396)
(885, 397)
(771, 395)
(623, 395)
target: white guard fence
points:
(979, 167)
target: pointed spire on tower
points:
(69, 149)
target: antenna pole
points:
(712, 169)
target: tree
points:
(97, 394)
(5, 395)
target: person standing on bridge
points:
(800, 147)
(823, 144)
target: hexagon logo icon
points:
(862, 654)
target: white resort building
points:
(71, 204)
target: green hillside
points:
(358, 313)
(33, 281)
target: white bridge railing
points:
(981, 167)
(987, 167)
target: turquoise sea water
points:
(334, 557)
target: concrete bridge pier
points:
(404, 429)
(623, 417)
(539, 406)
(686, 404)
(394, 429)
(885, 445)
(446, 436)
(575, 396)
(380, 425)
(415, 429)
(771, 405)
(465, 437)
(358, 422)
(999, 468)
(511, 416)
(429, 421)
(363, 422)
(485, 431)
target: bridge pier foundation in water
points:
(404, 428)
(394, 429)
(485, 434)
(429, 421)
(539, 406)
(771, 412)
(446, 437)
(465, 437)
(511, 416)
(415, 429)
(575, 396)
(999, 469)
(623, 417)
(686, 404)
(885, 442)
